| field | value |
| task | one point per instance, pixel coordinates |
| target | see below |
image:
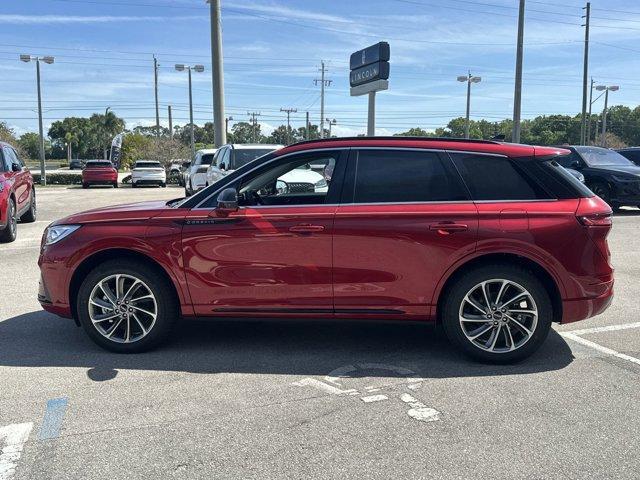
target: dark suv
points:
(608, 174)
(17, 193)
(494, 241)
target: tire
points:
(115, 184)
(164, 304)
(85, 185)
(604, 192)
(163, 185)
(30, 215)
(10, 231)
(506, 346)
(133, 185)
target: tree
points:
(415, 132)
(30, 144)
(134, 147)
(282, 136)
(7, 134)
(243, 132)
(103, 128)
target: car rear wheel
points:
(603, 190)
(497, 314)
(85, 185)
(126, 306)
(10, 230)
(115, 184)
(30, 215)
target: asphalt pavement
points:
(302, 399)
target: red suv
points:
(493, 241)
(17, 193)
(99, 172)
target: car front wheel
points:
(126, 306)
(10, 230)
(497, 314)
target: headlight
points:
(57, 233)
(321, 183)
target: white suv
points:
(233, 156)
(195, 176)
(148, 172)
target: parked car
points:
(493, 241)
(631, 153)
(148, 172)
(233, 156)
(576, 174)
(76, 164)
(99, 172)
(195, 177)
(608, 174)
(17, 193)
(184, 166)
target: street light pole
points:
(469, 79)
(607, 89)
(198, 68)
(517, 96)
(331, 122)
(48, 60)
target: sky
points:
(273, 49)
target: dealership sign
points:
(370, 69)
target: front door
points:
(273, 256)
(405, 219)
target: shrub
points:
(60, 178)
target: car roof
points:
(240, 146)
(627, 149)
(454, 144)
(207, 150)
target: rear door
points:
(405, 218)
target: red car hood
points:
(119, 213)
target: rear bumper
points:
(601, 297)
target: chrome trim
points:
(279, 157)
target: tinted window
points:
(633, 155)
(102, 164)
(224, 159)
(570, 160)
(404, 176)
(243, 156)
(207, 158)
(147, 165)
(10, 157)
(4, 166)
(17, 157)
(496, 178)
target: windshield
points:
(597, 157)
(207, 158)
(246, 155)
(99, 164)
(147, 165)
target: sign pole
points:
(371, 121)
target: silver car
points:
(195, 176)
(233, 156)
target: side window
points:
(17, 157)
(568, 161)
(224, 162)
(4, 167)
(392, 176)
(9, 157)
(217, 159)
(291, 182)
(496, 178)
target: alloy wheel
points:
(498, 316)
(13, 221)
(122, 308)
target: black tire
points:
(604, 192)
(163, 185)
(115, 184)
(10, 231)
(466, 283)
(133, 185)
(30, 215)
(167, 304)
(85, 185)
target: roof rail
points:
(431, 139)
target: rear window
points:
(147, 165)
(99, 164)
(393, 176)
(564, 183)
(496, 178)
(246, 155)
(207, 158)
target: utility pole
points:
(170, 123)
(583, 126)
(307, 128)
(155, 81)
(323, 83)
(588, 138)
(226, 125)
(517, 96)
(198, 68)
(217, 73)
(607, 89)
(289, 111)
(254, 124)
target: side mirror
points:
(15, 167)
(282, 187)
(223, 166)
(227, 202)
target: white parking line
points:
(12, 438)
(374, 398)
(600, 348)
(610, 328)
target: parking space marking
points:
(600, 348)
(12, 438)
(374, 398)
(53, 417)
(609, 328)
(312, 382)
(419, 411)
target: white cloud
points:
(59, 19)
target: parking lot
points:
(310, 400)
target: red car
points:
(493, 241)
(99, 172)
(17, 193)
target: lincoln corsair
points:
(492, 241)
(17, 193)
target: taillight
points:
(596, 220)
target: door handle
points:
(447, 228)
(305, 228)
